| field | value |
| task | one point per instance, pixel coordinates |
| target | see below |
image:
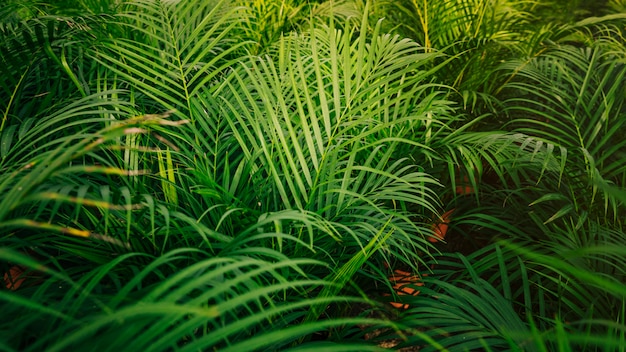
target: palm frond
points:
(572, 98)
(184, 300)
(172, 49)
(501, 296)
(306, 143)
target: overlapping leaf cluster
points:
(242, 175)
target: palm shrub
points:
(474, 38)
(220, 139)
(524, 297)
(165, 189)
(86, 280)
(184, 228)
(556, 279)
(476, 35)
(573, 99)
(579, 109)
(321, 145)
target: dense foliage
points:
(243, 175)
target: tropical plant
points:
(556, 280)
(245, 175)
(477, 36)
(220, 170)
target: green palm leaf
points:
(320, 127)
(572, 98)
(182, 300)
(173, 49)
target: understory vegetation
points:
(241, 175)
